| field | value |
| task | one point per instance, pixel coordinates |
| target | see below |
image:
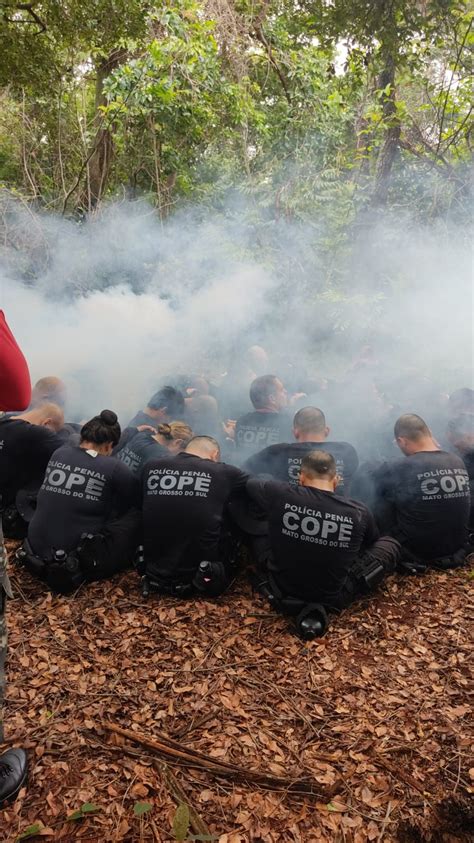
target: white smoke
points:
(115, 304)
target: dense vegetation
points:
(312, 111)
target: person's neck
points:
(322, 485)
(266, 410)
(426, 444)
(311, 437)
(92, 446)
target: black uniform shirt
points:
(139, 449)
(184, 498)
(80, 492)
(142, 418)
(284, 461)
(24, 453)
(260, 429)
(468, 459)
(315, 536)
(428, 496)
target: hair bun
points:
(108, 417)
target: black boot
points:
(13, 770)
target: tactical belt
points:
(63, 577)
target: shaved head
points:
(205, 447)
(319, 465)
(48, 390)
(47, 415)
(412, 427)
(310, 420)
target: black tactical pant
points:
(365, 574)
(96, 557)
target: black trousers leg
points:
(386, 550)
(113, 549)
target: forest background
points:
(323, 114)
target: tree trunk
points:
(390, 145)
(101, 154)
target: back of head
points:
(102, 429)
(411, 427)
(310, 420)
(168, 399)
(319, 465)
(261, 390)
(48, 390)
(461, 401)
(46, 414)
(257, 358)
(205, 447)
(176, 431)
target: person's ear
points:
(296, 433)
(302, 479)
(335, 482)
(327, 431)
(108, 448)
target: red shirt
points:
(15, 384)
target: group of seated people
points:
(184, 495)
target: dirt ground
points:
(372, 720)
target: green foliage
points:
(296, 105)
(141, 808)
(181, 822)
(85, 810)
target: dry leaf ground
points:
(377, 712)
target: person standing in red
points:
(15, 393)
(15, 384)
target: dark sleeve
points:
(384, 507)
(351, 461)
(127, 434)
(126, 487)
(238, 479)
(261, 491)
(260, 463)
(43, 443)
(371, 532)
(15, 385)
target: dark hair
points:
(310, 420)
(319, 464)
(102, 429)
(261, 389)
(169, 399)
(410, 426)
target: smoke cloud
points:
(115, 304)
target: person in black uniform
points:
(460, 434)
(324, 548)
(185, 522)
(26, 444)
(267, 424)
(137, 447)
(283, 461)
(164, 406)
(86, 522)
(423, 500)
